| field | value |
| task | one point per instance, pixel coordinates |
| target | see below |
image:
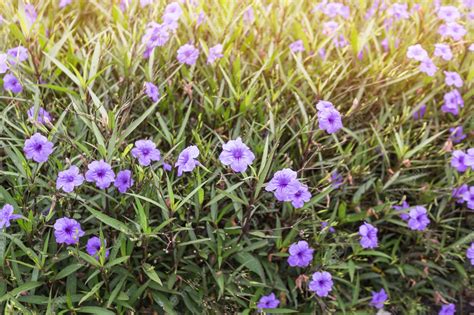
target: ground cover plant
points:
(224, 157)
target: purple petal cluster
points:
(321, 283)
(41, 117)
(449, 13)
(447, 309)
(268, 301)
(215, 53)
(453, 102)
(399, 11)
(11, 83)
(94, 246)
(146, 152)
(461, 160)
(6, 215)
(427, 66)
(452, 29)
(286, 187)
(418, 218)
(453, 78)
(67, 231)
(152, 91)
(443, 51)
(368, 234)
(237, 155)
(100, 173)
(420, 112)
(156, 35)
(403, 207)
(4, 63)
(468, 197)
(336, 179)
(458, 193)
(417, 52)
(329, 117)
(470, 253)
(301, 254)
(171, 15)
(457, 134)
(123, 181)
(38, 148)
(188, 54)
(17, 55)
(378, 299)
(69, 179)
(187, 160)
(297, 46)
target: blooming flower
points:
(452, 29)
(187, 160)
(330, 27)
(301, 254)
(42, 116)
(297, 46)
(418, 218)
(378, 299)
(399, 11)
(452, 78)
(321, 283)
(457, 134)
(324, 105)
(468, 197)
(156, 35)
(11, 83)
(470, 158)
(470, 253)
(167, 167)
(443, 51)
(188, 54)
(67, 231)
(330, 120)
(283, 184)
(152, 91)
(268, 301)
(458, 161)
(17, 54)
(123, 181)
(449, 13)
(215, 53)
(30, 13)
(146, 152)
(3, 63)
(301, 196)
(404, 206)
(420, 112)
(6, 215)
(458, 193)
(447, 309)
(69, 179)
(333, 9)
(94, 245)
(236, 154)
(417, 52)
(427, 66)
(368, 235)
(452, 102)
(64, 3)
(101, 173)
(38, 148)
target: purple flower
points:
(156, 35)
(186, 160)
(64, 3)
(297, 46)
(167, 167)
(94, 245)
(468, 197)
(38, 148)
(283, 184)
(152, 91)
(301, 196)
(330, 120)
(6, 215)
(368, 235)
(201, 18)
(171, 15)
(333, 9)
(146, 152)
(236, 154)
(470, 158)
(427, 66)
(42, 116)
(11, 83)
(447, 309)
(452, 78)
(418, 218)
(452, 102)
(417, 52)
(399, 11)
(470, 253)
(301, 254)
(188, 54)
(101, 173)
(378, 299)
(321, 283)
(458, 193)
(336, 179)
(324, 105)
(449, 13)
(4, 63)
(17, 54)
(67, 231)
(452, 29)
(249, 16)
(403, 207)
(458, 161)
(330, 27)
(324, 224)
(144, 3)
(30, 13)
(420, 112)
(457, 134)
(215, 53)
(443, 51)
(123, 181)
(69, 179)
(268, 301)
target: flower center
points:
(68, 230)
(237, 154)
(100, 173)
(70, 178)
(145, 151)
(38, 147)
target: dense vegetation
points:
(376, 129)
